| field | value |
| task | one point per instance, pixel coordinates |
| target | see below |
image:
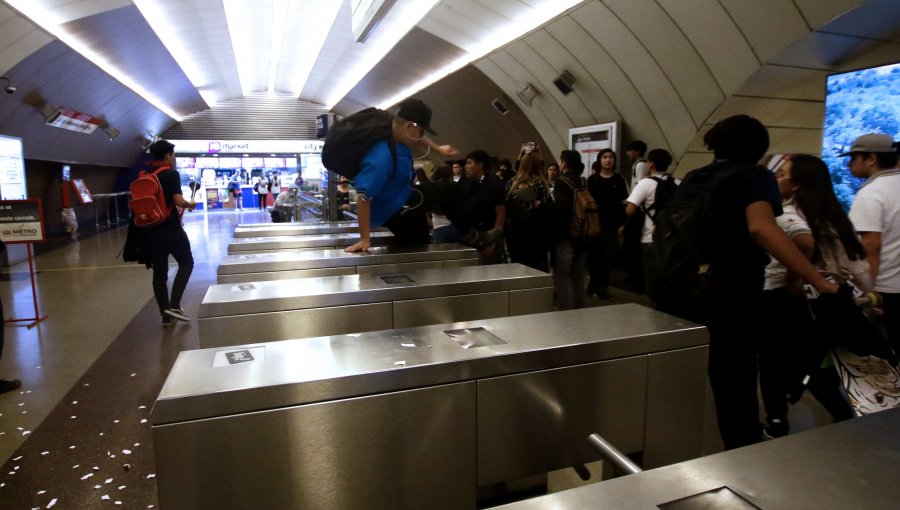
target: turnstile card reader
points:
(295, 242)
(282, 265)
(422, 417)
(282, 309)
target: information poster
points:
(590, 140)
(212, 198)
(84, 195)
(12, 169)
(21, 221)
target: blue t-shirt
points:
(386, 191)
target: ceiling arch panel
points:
(571, 108)
(538, 118)
(638, 119)
(831, 52)
(124, 36)
(818, 13)
(716, 38)
(593, 105)
(769, 25)
(18, 39)
(642, 71)
(65, 11)
(557, 122)
(673, 52)
(785, 82)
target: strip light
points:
(499, 37)
(42, 17)
(279, 19)
(402, 17)
(310, 40)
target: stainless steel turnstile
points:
(255, 244)
(422, 417)
(233, 314)
(851, 464)
(282, 265)
(298, 229)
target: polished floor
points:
(76, 435)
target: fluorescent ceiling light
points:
(498, 37)
(250, 26)
(401, 18)
(43, 17)
(307, 39)
(279, 19)
(158, 20)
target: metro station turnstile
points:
(256, 244)
(422, 417)
(262, 311)
(851, 464)
(281, 265)
(298, 229)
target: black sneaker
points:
(776, 427)
(177, 313)
(7, 386)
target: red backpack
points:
(148, 202)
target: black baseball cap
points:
(415, 110)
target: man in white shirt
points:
(643, 195)
(876, 215)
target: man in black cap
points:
(389, 198)
(875, 214)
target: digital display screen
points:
(857, 103)
(12, 169)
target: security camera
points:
(10, 89)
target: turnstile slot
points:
(246, 286)
(395, 279)
(723, 497)
(473, 337)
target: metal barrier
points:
(106, 198)
(424, 417)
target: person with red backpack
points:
(156, 231)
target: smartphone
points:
(528, 147)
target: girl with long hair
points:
(814, 219)
(527, 226)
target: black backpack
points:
(351, 138)
(678, 262)
(665, 190)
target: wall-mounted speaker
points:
(500, 106)
(527, 94)
(564, 83)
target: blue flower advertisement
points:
(857, 103)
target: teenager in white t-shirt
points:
(643, 196)
(876, 215)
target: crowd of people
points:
(770, 241)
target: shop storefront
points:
(219, 166)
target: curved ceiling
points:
(665, 69)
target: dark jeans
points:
(410, 224)
(601, 259)
(891, 309)
(262, 201)
(174, 242)
(731, 318)
(568, 276)
(529, 248)
(781, 351)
